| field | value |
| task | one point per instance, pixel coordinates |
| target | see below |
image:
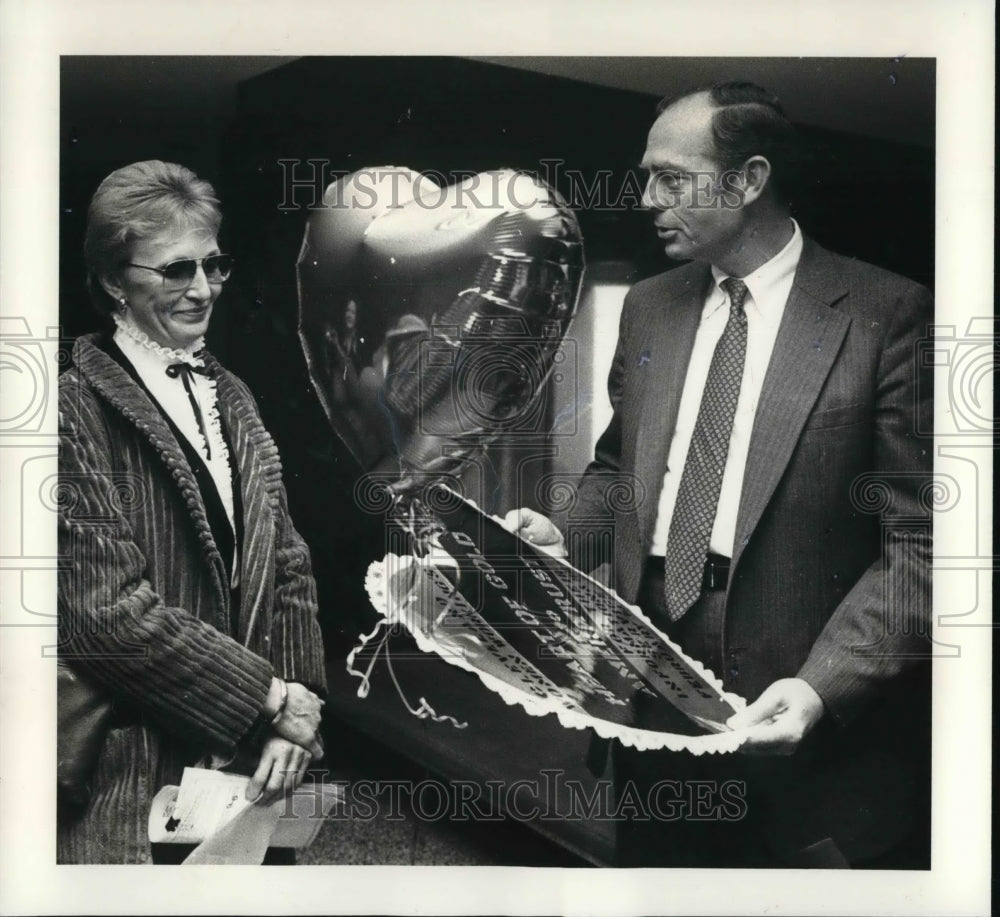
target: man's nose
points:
(650, 200)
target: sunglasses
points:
(179, 275)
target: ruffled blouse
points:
(151, 361)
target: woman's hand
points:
(282, 767)
(300, 716)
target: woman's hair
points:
(134, 203)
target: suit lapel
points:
(809, 338)
(670, 341)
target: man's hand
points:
(780, 718)
(300, 718)
(282, 767)
(537, 529)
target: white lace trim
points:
(569, 716)
(168, 354)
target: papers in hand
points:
(210, 809)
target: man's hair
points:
(137, 202)
(748, 121)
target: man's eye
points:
(666, 183)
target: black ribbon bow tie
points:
(175, 369)
(186, 371)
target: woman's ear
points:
(112, 286)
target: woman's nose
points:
(200, 288)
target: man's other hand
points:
(537, 529)
(780, 718)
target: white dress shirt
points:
(768, 287)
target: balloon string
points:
(421, 540)
(365, 676)
(425, 710)
(422, 712)
(422, 543)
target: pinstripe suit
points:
(830, 578)
(144, 595)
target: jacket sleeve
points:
(592, 507)
(296, 644)
(176, 670)
(883, 623)
(296, 640)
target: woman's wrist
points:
(273, 702)
(282, 703)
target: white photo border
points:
(33, 36)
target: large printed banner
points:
(545, 636)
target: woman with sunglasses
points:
(187, 597)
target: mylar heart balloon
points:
(430, 315)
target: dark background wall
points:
(233, 120)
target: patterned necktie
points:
(698, 495)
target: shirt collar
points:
(772, 275)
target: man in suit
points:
(766, 416)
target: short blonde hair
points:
(135, 202)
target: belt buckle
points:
(716, 576)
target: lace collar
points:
(168, 355)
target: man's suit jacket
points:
(830, 574)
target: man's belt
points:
(714, 579)
(716, 575)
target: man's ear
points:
(756, 173)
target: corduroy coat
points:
(144, 596)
